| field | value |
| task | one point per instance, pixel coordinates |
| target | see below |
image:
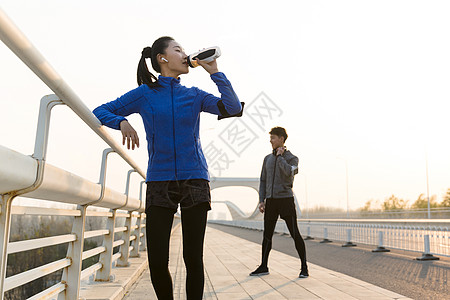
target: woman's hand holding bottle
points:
(210, 67)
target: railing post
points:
(143, 244)
(71, 274)
(40, 150)
(349, 239)
(5, 227)
(427, 255)
(125, 247)
(325, 236)
(143, 240)
(104, 274)
(380, 247)
(102, 180)
(285, 229)
(42, 132)
(137, 233)
(308, 233)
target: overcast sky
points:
(362, 83)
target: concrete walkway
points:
(229, 260)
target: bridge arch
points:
(251, 182)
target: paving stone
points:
(228, 262)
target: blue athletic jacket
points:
(171, 116)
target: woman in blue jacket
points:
(177, 172)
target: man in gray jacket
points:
(277, 199)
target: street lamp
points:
(346, 182)
(428, 186)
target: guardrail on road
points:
(429, 237)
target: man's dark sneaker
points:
(304, 273)
(260, 271)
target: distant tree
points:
(422, 202)
(394, 203)
(366, 206)
(370, 205)
(446, 201)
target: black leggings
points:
(159, 226)
(269, 228)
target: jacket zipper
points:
(173, 130)
(274, 171)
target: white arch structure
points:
(251, 182)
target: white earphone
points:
(164, 59)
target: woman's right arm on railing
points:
(112, 114)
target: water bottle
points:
(206, 55)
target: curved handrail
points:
(15, 40)
(32, 177)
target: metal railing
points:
(430, 237)
(33, 177)
(435, 213)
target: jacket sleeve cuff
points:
(220, 79)
(119, 120)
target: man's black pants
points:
(285, 208)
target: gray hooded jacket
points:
(277, 176)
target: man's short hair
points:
(279, 131)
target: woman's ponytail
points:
(144, 76)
